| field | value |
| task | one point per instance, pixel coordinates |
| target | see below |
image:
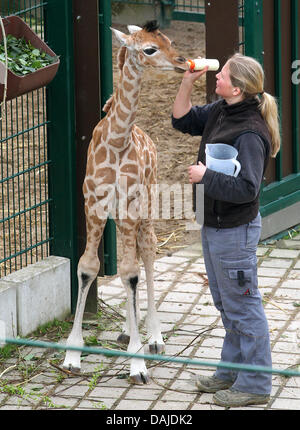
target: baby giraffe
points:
(120, 182)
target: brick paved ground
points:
(193, 330)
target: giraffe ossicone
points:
(120, 149)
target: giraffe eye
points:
(149, 51)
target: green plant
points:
(7, 351)
(91, 340)
(56, 327)
(22, 57)
(95, 378)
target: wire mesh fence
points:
(24, 202)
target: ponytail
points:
(269, 111)
(247, 74)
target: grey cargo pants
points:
(231, 265)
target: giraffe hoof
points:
(123, 338)
(156, 348)
(139, 379)
(71, 368)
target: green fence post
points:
(253, 27)
(295, 14)
(61, 138)
(106, 85)
(278, 75)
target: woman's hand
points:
(182, 104)
(192, 77)
(196, 172)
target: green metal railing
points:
(155, 357)
(189, 10)
(24, 198)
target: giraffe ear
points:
(122, 38)
(133, 28)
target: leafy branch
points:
(22, 57)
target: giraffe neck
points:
(125, 104)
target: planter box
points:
(18, 85)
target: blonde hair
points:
(247, 74)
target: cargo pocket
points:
(240, 282)
(242, 300)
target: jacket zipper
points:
(218, 123)
(219, 222)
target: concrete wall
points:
(35, 295)
(280, 221)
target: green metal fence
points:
(189, 10)
(24, 198)
(38, 213)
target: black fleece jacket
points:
(230, 201)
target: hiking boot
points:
(232, 397)
(211, 384)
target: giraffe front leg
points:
(124, 336)
(129, 271)
(72, 358)
(138, 370)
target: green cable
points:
(110, 353)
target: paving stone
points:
(162, 405)
(291, 392)
(142, 394)
(174, 307)
(290, 404)
(297, 265)
(131, 405)
(277, 262)
(181, 297)
(261, 251)
(284, 253)
(101, 391)
(96, 404)
(63, 402)
(77, 390)
(294, 274)
(288, 293)
(271, 272)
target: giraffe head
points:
(148, 46)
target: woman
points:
(245, 117)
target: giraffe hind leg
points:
(130, 274)
(124, 336)
(138, 371)
(87, 270)
(147, 247)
